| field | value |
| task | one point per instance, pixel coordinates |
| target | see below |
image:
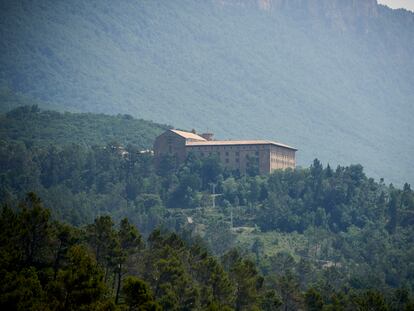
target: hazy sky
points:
(395, 4)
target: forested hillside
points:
(92, 268)
(297, 238)
(36, 128)
(333, 78)
(49, 265)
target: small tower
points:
(207, 136)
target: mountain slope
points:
(333, 78)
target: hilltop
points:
(42, 128)
(334, 78)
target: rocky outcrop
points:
(344, 14)
(329, 7)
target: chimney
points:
(207, 136)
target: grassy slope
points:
(341, 96)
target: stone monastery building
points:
(234, 154)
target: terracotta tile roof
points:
(188, 135)
(236, 142)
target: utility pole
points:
(214, 195)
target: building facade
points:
(234, 154)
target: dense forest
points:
(50, 265)
(328, 77)
(318, 238)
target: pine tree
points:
(138, 295)
(129, 242)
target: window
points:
(237, 153)
(227, 153)
(227, 160)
